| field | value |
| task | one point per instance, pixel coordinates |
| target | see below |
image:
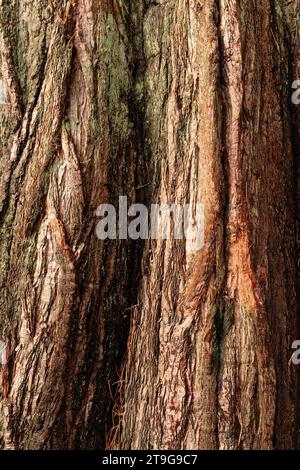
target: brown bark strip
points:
(73, 150)
(170, 102)
(205, 370)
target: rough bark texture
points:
(209, 348)
(171, 101)
(67, 146)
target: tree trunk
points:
(67, 146)
(185, 102)
(210, 341)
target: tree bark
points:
(170, 101)
(209, 347)
(67, 146)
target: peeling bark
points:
(209, 348)
(68, 145)
(170, 101)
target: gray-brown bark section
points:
(209, 348)
(191, 100)
(68, 146)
